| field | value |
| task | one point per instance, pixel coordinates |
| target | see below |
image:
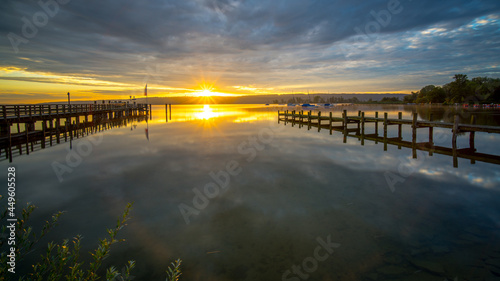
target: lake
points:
(238, 196)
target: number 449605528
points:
(11, 188)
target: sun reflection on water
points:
(213, 113)
(206, 113)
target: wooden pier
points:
(344, 124)
(46, 124)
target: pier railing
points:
(23, 111)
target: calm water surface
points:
(287, 193)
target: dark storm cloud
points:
(115, 37)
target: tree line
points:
(319, 99)
(482, 90)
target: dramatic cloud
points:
(239, 45)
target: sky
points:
(109, 49)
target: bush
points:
(61, 261)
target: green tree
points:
(484, 88)
(410, 98)
(436, 95)
(423, 94)
(353, 100)
(459, 90)
(494, 97)
(390, 100)
(318, 99)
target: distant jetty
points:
(341, 124)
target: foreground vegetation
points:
(62, 261)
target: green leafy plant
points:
(174, 272)
(26, 239)
(62, 261)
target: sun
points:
(204, 93)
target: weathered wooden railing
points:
(22, 111)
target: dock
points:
(355, 127)
(25, 127)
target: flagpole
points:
(147, 110)
(146, 93)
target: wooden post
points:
(454, 142)
(431, 136)
(77, 126)
(376, 126)
(150, 112)
(86, 124)
(299, 119)
(472, 135)
(414, 134)
(344, 115)
(51, 130)
(362, 128)
(66, 130)
(44, 128)
(170, 111)
(344, 125)
(4, 109)
(400, 136)
(58, 130)
(331, 121)
(26, 127)
(385, 131)
(10, 143)
(359, 115)
(319, 121)
(309, 120)
(71, 128)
